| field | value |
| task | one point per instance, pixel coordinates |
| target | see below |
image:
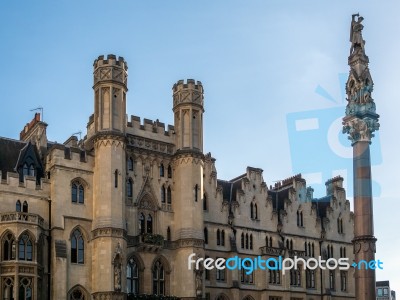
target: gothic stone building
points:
(120, 211)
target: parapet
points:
(190, 84)
(337, 180)
(12, 180)
(289, 181)
(110, 61)
(151, 126)
(110, 69)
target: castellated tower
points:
(110, 87)
(188, 184)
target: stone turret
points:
(188, 110)
(110, 88)
(109, 176)
(188, 163)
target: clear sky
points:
(263, 64)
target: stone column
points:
(360, 122)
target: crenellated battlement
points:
(190, 84)
(288, 181)
(151, 126)
(110, 70)
(337, 179)
(70, 152)
(13, 182)
(110, 61)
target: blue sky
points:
(261, 63)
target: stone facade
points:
(122, 209)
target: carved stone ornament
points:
(360, 129)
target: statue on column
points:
(199, 279)
(356, 28)
(117, 262)
(117, 276)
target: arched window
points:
(295, 276)
(25, 207)
(340, 225)
(161, 170)
(9, 247)
(132, 277)
(149, 224)
(158, 278)
(116, 178)
(169, 171)
(251, 211)
(205, 235)
(205, 202)
(195, 192)
(77, 247)
(332, 279)
(291, 244)
(310, 279)
(162, 193)
(77, 192)
(8, 288)
(312, 249)
(242, 241)
(223, 238)
(274, 277)
(31, 170)
(246, 278)
(255, 211)
(130, 164)
(77, 294)
(25, 248)
(251, 241)
(169, 195)
(168, 234)
(25, 289)
(287, 244)
(129, 187)
(25, 170)
(247, 241)
(142, 226)
(18, 206)
(343, 281)
(218, 238)
(301, 219)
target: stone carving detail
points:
(356, 33)
(360, 129)
(108, 232)
(367, 244)
(146, 199)
(28, 270)
(117, 268)
(109, 296)
(198, 279)
(361, 119)
(7, 269)
(149, 144)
